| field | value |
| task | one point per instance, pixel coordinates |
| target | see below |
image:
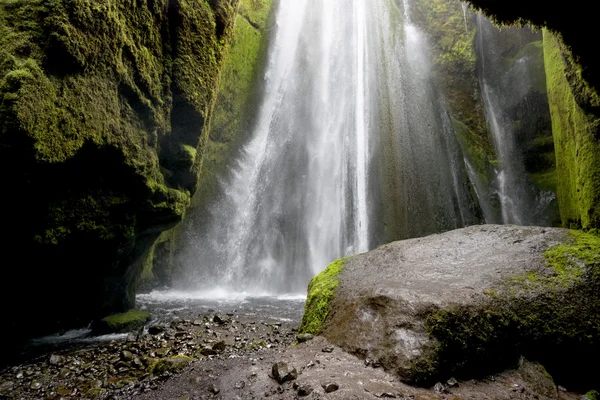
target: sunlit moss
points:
(321, 291)
(576, 142)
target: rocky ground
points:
(213, 356)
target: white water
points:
(350, 138)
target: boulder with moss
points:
(104, 107)
(467, 303)
(131, 321)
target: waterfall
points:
(351, 146)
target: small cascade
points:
(507, 94)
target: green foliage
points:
(321, 291)
(576, 140)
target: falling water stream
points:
(352, 146)
(350, 137)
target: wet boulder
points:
(466, 303)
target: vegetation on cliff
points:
(234, 109)
(102, 108)
(452, 32)
(575, 137)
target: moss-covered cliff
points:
(234, 110)
(576, 137)
(103, 105)
(452, 31)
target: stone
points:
(7, 386)
(304, 337)
(214, 389)
(537, 378)
(591, 395)
(452, 382)
(208, 351)
(156, 329)
(330, 387)
(132, 337)
(64, 373)
(56, 360)
(281, 372)
(240, 385)
(219, 346)
(327, 349)
(162, 352)
(126, 355)
(439, 388)
(490, 281)
(219, 319)
(304, 390)
(35, 385)
(172, 364)
(132, 320)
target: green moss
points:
(236, 93)
(454, 68)
(575, 138)
(321, 291)
(545, 180)
(102, 108)
(592, 395)
(125, 322)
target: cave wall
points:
(576, 138)
(573, 78)
(104, 111)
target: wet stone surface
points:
(230, 355)
(135, 364)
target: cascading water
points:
(351, 146)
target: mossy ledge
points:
(103, 107)
(549, 315)
(321, 291)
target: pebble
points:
(240, 385)
(281, 372)
(304, 390)
(304, 337)
(330, 387)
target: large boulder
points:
(466, 303)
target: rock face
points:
(103, 107)
(573, 80)
(470, 302)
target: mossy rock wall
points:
(576, 137)
(235, 107)
(452, 31)
(573, 79)
(103, 107)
